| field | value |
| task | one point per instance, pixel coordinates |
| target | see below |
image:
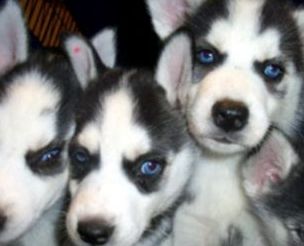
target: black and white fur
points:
(36, 106)
(245, 37)
(273, 179)
(124, 121)
(231, 104)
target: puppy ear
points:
(105, 44)
(13, 36)
(83, 57)
(168, 15)
(270, 166)
(174, 68)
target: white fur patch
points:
(218, 202)
(243, 88)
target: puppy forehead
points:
(248, 30)
(32, 91)
(29, 108)
(240, 37)
(115, 130)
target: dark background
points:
(138, 45)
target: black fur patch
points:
(206, 15)
(90, 102)
(78, 170)
(145, 183)
(43, 162)
(165, 125)
(160, 226)
(235, 237)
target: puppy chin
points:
(221, 143)
(213, 142)
(220, 148)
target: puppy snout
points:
(94, 231)
(229, 115)
(3, 220)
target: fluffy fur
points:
(232, 102)
(125, 121)
(244, 36)
(36, 105)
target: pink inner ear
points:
(175, 12)
(274, 175)
(268, 169)
(268, 173)
(76, 50)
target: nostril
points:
(230, 115)
(94, 231)
(2, 221)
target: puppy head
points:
(36, 123)
(247, 70)
(247, 75)
(273, 178)
(130, 157)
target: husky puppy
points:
(273, 180)
(36, 106)
(248, 68)
(248, 76)
(131, 156)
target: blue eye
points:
(81, 156)
(51, 154)
(273, 72)
(150, 168)
(206, 57)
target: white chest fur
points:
(218, 204)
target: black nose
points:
(2, 221)
(96, 232)
(230, 115)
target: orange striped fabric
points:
(47, 19)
